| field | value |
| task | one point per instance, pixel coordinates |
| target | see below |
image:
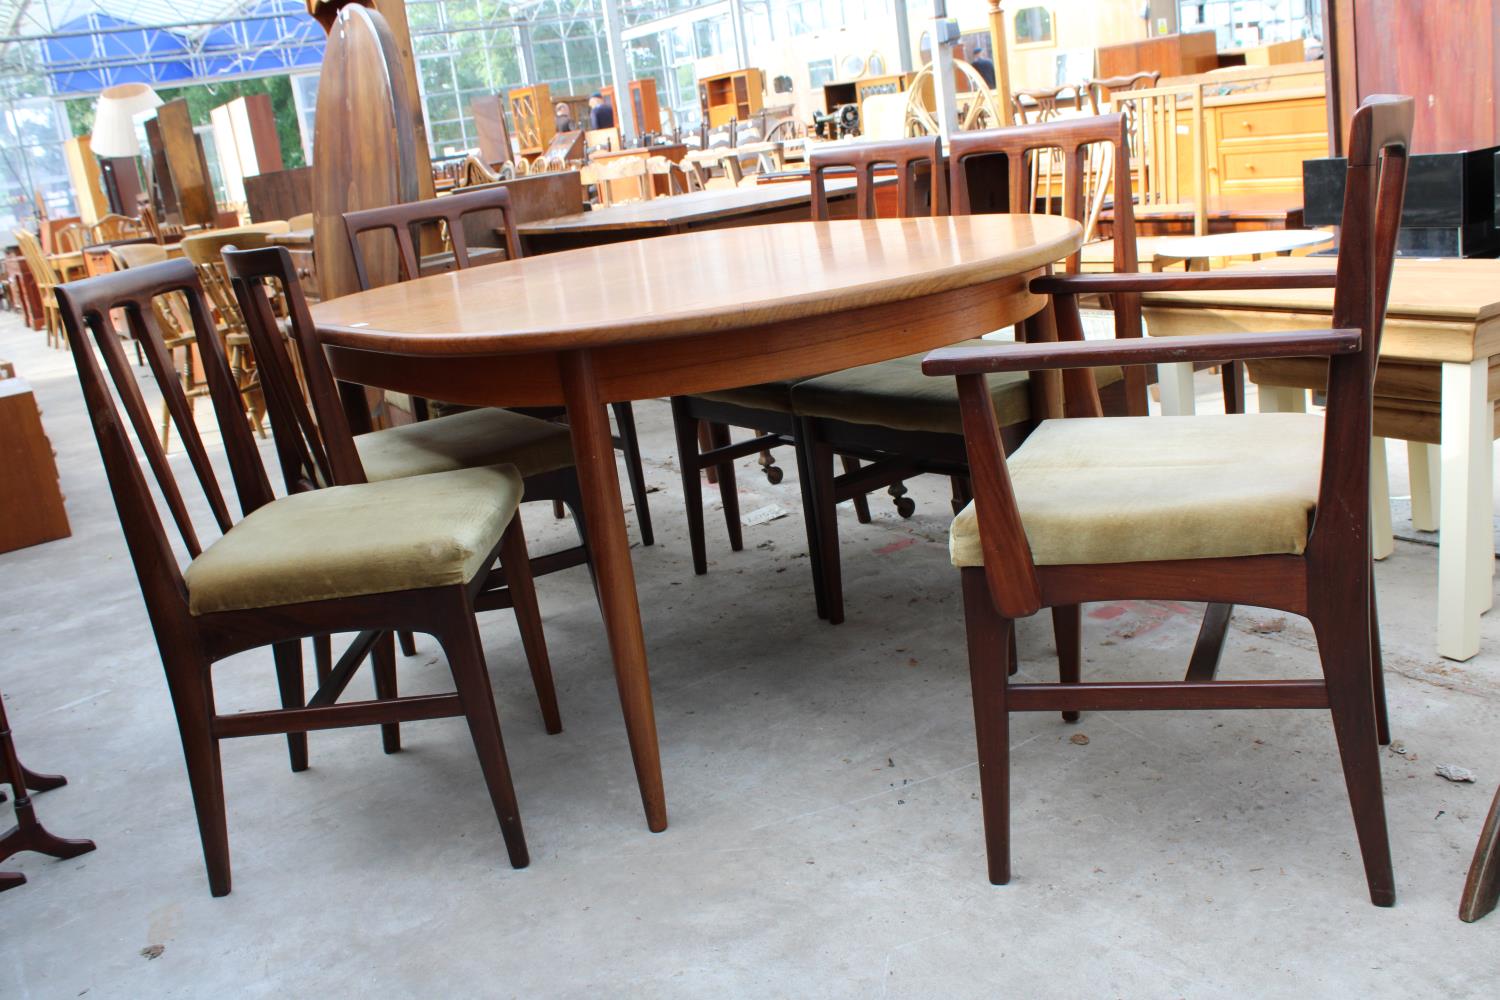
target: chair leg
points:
(1344, 645)
(323, 657)
(1209, 648)
(1067, 627)
(825, 510)
(810, 519)
(729, 495)
(516, 564)
(1482, 887)
(686, 429)
(1377, 672)
(989, 641)
(383, 666)
(861, 501)
(625, 421)
(460, 641)
(408, 643)
(192, 701)
(962, 494)
(288, 656)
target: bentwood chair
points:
(1269, 510)
(317, 447)
(406, 554)
(906, 424)
(452, 213)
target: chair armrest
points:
(1186, 281)
(1212, 348)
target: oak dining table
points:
(684, 314)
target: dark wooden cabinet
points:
(31, 501)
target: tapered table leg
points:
(604, 520)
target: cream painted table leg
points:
(609, 547)
(1422, 459)
(1466, 544)
(1280, 399)
(1382, 535)
(1176, 384)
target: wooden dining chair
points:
(766, 408)
(114, 227)
(1268, 510)
(405, 222)
(176, 326)
(69, 238)
(907, 425)
(316, 445)
(45, 276)
(205, 251)
(409, 553)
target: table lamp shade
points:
(114, 118)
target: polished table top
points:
(685, 209)
(690, 283)
(1441, 309)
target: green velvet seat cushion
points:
(347, 541)
(897, 395)
(1150, 489)
(466, 440)
(775, 396)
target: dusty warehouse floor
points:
(825, 831)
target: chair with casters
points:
(902, 422)
(369, 558)
(1269, 510)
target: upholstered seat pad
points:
(895, 394)
(465, 440)
(775, 396)
(1149, 489)
(346, 541)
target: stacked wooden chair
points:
(458, 215)
(412, 553)
(1268, 510)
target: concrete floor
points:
(825, 831)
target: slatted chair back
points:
(70, 238)
(1084, 146)
(116, 227)
(1164, 123)
(1033, 107)
(1087, 148)
(42, 271)
(315, 447)
(1101, 90)
(171, 310)
(88, 308)
(913, 160)
(204, 249)
(405, 220)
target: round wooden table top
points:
(691, 284)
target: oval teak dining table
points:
(678, 315)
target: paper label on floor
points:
(762, 515)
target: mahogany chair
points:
(450, 211)
(1269, 510)
(370, 558)
(904, 423)
(318, 447)
(766, 408)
